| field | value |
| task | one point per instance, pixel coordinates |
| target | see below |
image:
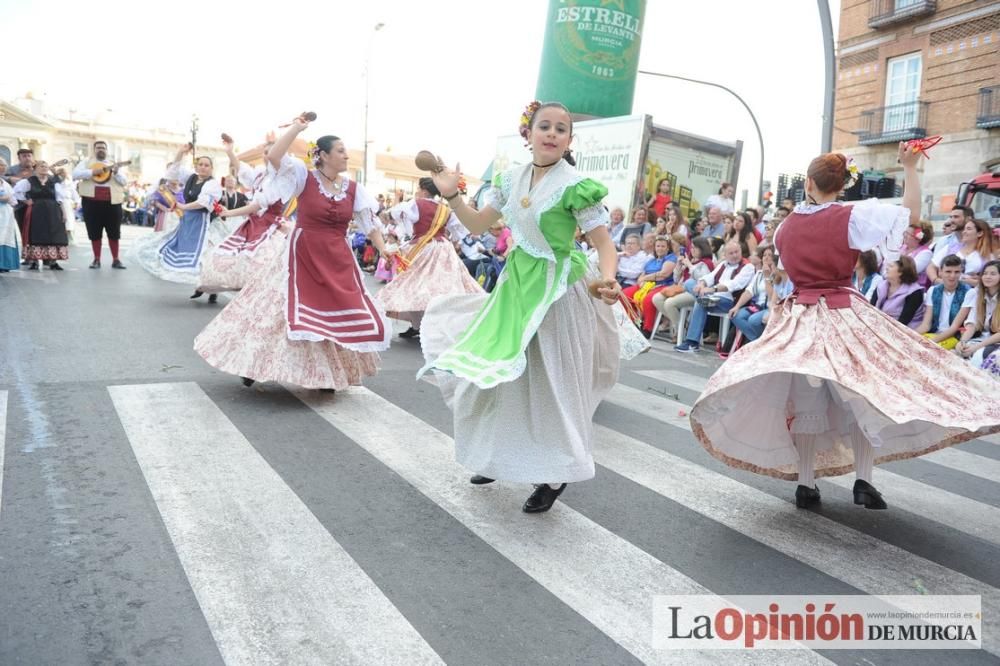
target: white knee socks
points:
(805, 444)
(864, 454)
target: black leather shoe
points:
(213, 298)
(33, 266)
(480, 480)
(543, 498)
(805, 496)
(247, 381)
(865, 493)
(55, 267)
(410, 333)
(328, 390)
(96, 263)
(116, 264)
(197, 294)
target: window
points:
(902, 88)
(5, 154)
(903, 4)
(81, 149)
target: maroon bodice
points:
(428, 210)
(317, 212)
(815, 253)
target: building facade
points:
(918, 68)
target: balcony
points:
(889, 124)
(989, 108)
(888, 12)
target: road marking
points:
(601, 576)
(961, 513)
(274, 585)
(3, 440)
(968, 462)
(860, 560)
(676, 377)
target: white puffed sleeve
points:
(281, 185)
(365, 210)
(591, 217)
(21, 189)
(178, 171)
(405, 215)
(247, 175)
(877, 226)
(211, 192)
(456, 230)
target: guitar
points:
(105, 174)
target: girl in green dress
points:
(524, 367)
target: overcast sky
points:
(448, 75)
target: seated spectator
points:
(617, 226)
(648, 243)
(742, 233)
(724, 283)
(950, 240)
(656, 274)
(900, 295)
(639, 225)
(766, 287)
(698, 228)
(755, 221)
(715, 223)
(631, 261)
(688, 271)
(866, 278)
(916, 245)
(473, 252)
(944, 313)
(676, 223)
(981, 337)
(976, 249)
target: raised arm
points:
(249, 209)
(284, 142)
(911, 181)
(476, 221)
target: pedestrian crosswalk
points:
(280, 578)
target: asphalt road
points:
(154, 511)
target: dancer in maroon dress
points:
(307, 318)
(834, 384)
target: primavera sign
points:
(591, 54)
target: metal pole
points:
(831, 83)
(368, 57)
(760, 137)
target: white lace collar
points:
(336, 197)
(808, 208)
(524, 221)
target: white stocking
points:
(864, 454)
(805, 444)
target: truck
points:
(631, 154)
(982, 195)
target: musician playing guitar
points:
(102, 189)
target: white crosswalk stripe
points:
(3, 440)
(606, 579)
(274, 585)
(967, 515)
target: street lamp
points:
(826, 23)
(194, 134)
(760, 137)
(368, 57)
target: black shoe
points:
(197, 294)
(55, 267)
(865, 493)
(213, 298)
(805, 496)
(33, 266)
(115, 264)
(247, 381)
(480, 480)
(328, 390)
(96, 263)
(543, 498)
(410, 333)
(25, 262)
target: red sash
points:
(327, 299)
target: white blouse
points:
(274, 185)
(211, 191)
(407, 214)
(873, 226)
(365, 206)
(972, 302)
(23, 185)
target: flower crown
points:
(852, 174)
(524, 129)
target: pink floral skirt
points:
(437, 271)
(822, 371)
(229, 272)
(249, 339)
